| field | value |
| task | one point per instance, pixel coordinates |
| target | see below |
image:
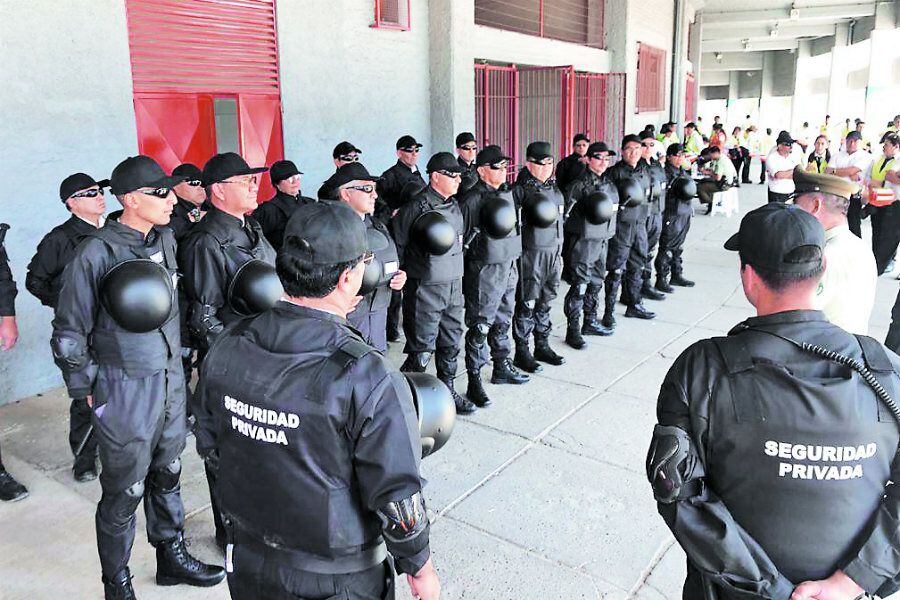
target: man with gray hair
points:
(846, 292)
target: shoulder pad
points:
(349, 351)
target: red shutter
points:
(173, 128)
(392, 14)
(651, 79)
(600, 106)
(260, 130)
(496, 109)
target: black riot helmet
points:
(138, 294)
(631, 192)
(683, 188)
(255, 288)
(374, 275)
(539, 210)
(434, 408)
(498, 217)
(433, 232)
(598, 207)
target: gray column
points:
(452, 70)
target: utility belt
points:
(298, 559)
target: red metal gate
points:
(188, 54)
(599, 107)
(496, 109)
(546, 97)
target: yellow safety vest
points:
(878, 173)
(819, 165)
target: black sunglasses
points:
(410, 150)
(162, 192)
(469, 148)
(194, 183)
(499, 166)
(544, 161)
(88, 194)
(368, 188)
(451, 174)
(349, 157)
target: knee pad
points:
(166, 479)
(615, 275)
(593, 289)
(479, 332)
(579, 289)
(121, 506)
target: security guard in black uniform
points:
(493, 245)
(466, 150)
(214, 253)
(656, 205)
(776, 450)
(428, 231)
(274, 214)
(315, 434)
(116, 337)
(629, 246)
(191, 204)
(83, 197)
(344, 153)
(680, 192)
(10, 489)
(571, 167)
(591, 202)
(355, 186)
(541, 205)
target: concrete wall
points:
(342, 79)
(67, 107)
(651, 22)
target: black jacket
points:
(7, 285)
(273, 215)
(568, 170)
(54, 253)
(781, 501)
(586, 184)
(393, 180)
(674, 206)
(418, 263)
(469, 176)
(641, 173)
(483, 249)
(315, 431)
(82, 322)
(211, 254)
(537, 238)
(181, 222)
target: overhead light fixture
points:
(795, 14)
(746, 44)
(718, 56)
(774, 31)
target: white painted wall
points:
(67, 107)
(651, 22)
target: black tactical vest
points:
(579, 227)
(380, 297)
(658, 184)
(488, 250)
(447, 267)
(543, 238)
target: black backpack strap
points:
(347, 353)
(734, 353)
(878, 362)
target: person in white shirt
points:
(780, 165)
(852, 164)
(846, 293)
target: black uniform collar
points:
(781, 318)
(403, 166)
(306, 312)
(130, 236)
(285, 199)
(464, 164)
(79, 225)
(218, 216)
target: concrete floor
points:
(542, 495)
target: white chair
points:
(726, 202)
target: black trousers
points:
(745, 172)
(776, 197)
(433, 321)
(892, 340)
(393, 313)
(259, 573)
(372, 324)
(539, 277)
(490, 296)
(885, 234)
(628, 253)
(671, 244)
(854, 216)
(79, 425)
(140, 426)
(706, 189)
(584, 267)
(654, 232)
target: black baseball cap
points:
(770, 235)
(854, 135)
(222, 166)
(647, 134)
(189, 171)
(630, 138)
(466, 137)
(784, 138)
(691, 124)
(597, 147)
(491, 155)
(77, 182)
(539, 150)
(140, 171)
(674, 149)
(283, 169)
(407, 142)
(443, 161)
(326, 233)
(354, 171)
(580, 137)
(345, 148)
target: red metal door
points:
(496, 109)
(545, 107)
(260, 130)
(599, 106)
(175, 128)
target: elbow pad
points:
(403, 520)
(203, 322)
(673, 465)
(69, 353)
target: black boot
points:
(525, 360)
(638, 311)
(415, 362)
(475, 392)
(609, 315)
(175, 565)
(544, 353)
(649, 292)
(594, 327)
(463, 405)
(505, 372)
(85, 466)
(679, 280)
(118, 587)
(663, 285)
(573, 334)
(10, 489)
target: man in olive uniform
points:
(192, 203)
(571, 167)
(128, 366)
(761, 431)
(316, 434)
(356, 187)
(629, 245)
(344, 153)
(466, 149)
(585, 246)
(10, 489)
(83, 197)
(656, 207)
(541, 206)
(274, 214)
(433, 299)
(676, 223)
(490, 275)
